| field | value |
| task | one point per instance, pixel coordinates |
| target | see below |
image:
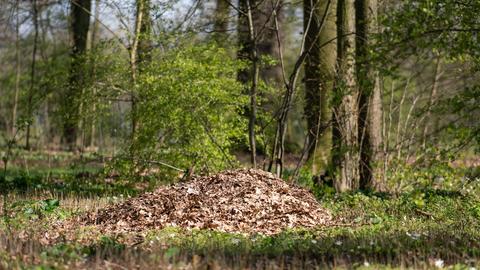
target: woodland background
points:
(371, 105)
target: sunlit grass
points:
(426, 228)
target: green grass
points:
(415, 229)
(83, 181)
(374, 231)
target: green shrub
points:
(188, 110)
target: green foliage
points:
(64, 252)
(446, 25)
(321, 189)
(188, 109)
(22, 213)
(447, 29)
(465, 131)
(84, 180)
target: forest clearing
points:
(247, 134)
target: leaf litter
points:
(237, 201)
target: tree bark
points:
(258, 37)
(263, 19)
(145, 35)
(221, 21)
(254, 86)
(80, 23)
(93, 40)
(319, 80)
(32, 75)
(17, 71)
(370, 101)
(345, 113)
(140, 52)
(249, 51)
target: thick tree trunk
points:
(345, 113)
(80, 23)
(266, 42)
(145, 35)
(140, 58)
(370, 106)
(221, 21)
(319, 79)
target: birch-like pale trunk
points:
(93, 40)
(17, 70)
(32, 75)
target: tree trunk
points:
(17, 71)
(140, 53)
(263, 19)
(220, 26)
(32, 75)
(370, 102)
(319, 79)
(268, 12)
(80, 23)
(249, 50)
(244, 44)
(145, 35)
(257, 37)
(93, 40)
(345, 113)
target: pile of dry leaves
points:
(245, 201)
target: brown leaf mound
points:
(242, 201)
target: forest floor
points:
(427, 228)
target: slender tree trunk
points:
(258, 36)
(32, 75)
(140, 57)
(17, 71)
(345, 113)
(254, 85)
(253, 88)
(431, 101)
(249, 77)
(370, 102)
(319, 80)
(269, 16)
(80, 23)
(93, 40)
(140, 53)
